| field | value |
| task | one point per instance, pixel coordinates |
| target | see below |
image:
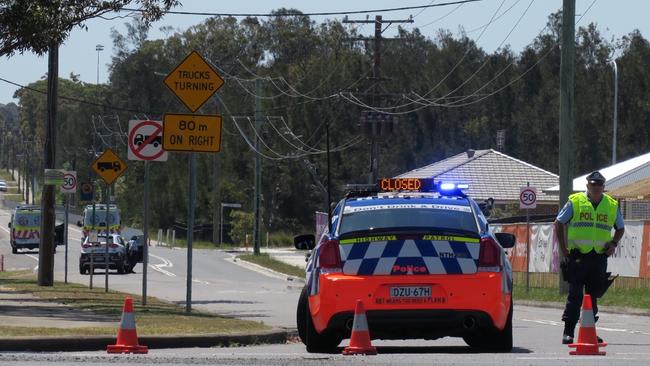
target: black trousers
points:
(586, 273)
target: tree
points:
(242, 225)
(41, 26)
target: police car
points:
(421, 257)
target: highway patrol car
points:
(421, 257)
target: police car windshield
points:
(422, 216)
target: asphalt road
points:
(224, 287)
(218, 284)
(536, 344)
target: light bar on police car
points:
(447, 186)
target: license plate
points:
(410, 291)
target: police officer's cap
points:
(596, 177)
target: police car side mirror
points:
(304, 242)
(9, 224)
(506, 240)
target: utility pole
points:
(45, 251)
(567, 110)
(28, 172)
(615, 127)
(374, 119)
(216, 196)
(258, 167)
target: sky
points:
(491, 23)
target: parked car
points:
(3, 186)
(93, 254)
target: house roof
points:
(489, 173)
(627, 179)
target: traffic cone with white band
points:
(587, 340)
(360, 338)
(127, 337)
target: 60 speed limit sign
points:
(527, 197)
(69, 182)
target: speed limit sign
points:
(69, 182)
(527, 197)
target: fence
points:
(164, 240)
(631, 259)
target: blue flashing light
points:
(447, 186)
(452, 189)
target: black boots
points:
(567, 335)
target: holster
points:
(564, 267)
(607, 281)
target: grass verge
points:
(156, 318)
(631, 298)
(265, 260)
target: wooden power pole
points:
(567, 110)
(374, 119)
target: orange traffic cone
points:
(360, 339)
(587, 340)
(127, 337)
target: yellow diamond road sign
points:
(191, 132)
(194, 81)
(109, 166)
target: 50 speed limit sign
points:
(69, 182)
(527, 197)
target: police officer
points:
(589, 217)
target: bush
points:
(280, 239)
(242, 224)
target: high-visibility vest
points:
(591, 229)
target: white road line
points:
(159, 267)
(545, 322)
(552, 322)
(34, 258)
(201, 282)
(5, 229)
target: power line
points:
(289, 14)
(73, 99)
(488, 59)
(495, 19)
(441, 17)
(455, 103)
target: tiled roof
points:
(490, 173)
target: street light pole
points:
(98, 48)
(615, 112)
